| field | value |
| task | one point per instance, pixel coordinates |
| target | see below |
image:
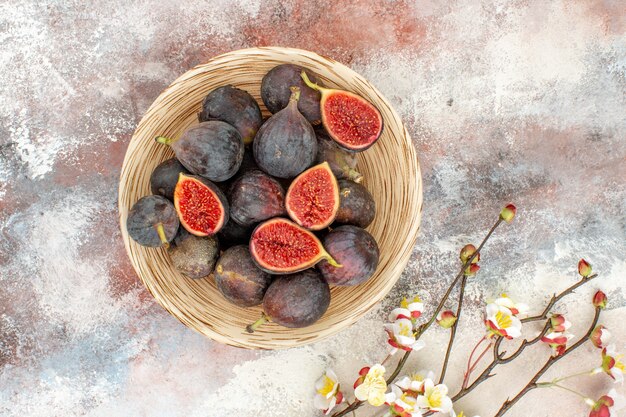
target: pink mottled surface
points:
(520, 101)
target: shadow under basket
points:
(391, 173)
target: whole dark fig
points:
(275, 91)
(235, 107)
(297, 300)
(239, 279)
(356, 251)
(342, 162)
(255, 197)
(234, 234)
(165, 176)
(286, 144)
(152, 221)
(356, 205)
(194, 256)
(213, 150)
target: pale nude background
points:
(507, 101)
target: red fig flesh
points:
(201, 206)
(279, 246)
(350, 120)
(313, 197)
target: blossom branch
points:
(453, 330)
(555, 298)
(532, 384)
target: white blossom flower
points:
(435, 398)
(327, 394)
(402, 336)
(501, 321)
(372, 386)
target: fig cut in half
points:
(350, 120)
(312, 199)
(201, 206)
(279, 246)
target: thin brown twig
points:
(555, 298)
(453, 330)
(532, 384)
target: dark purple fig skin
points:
(357, 252)
(286, 144)
(165, 176)
(247, 164)
(341, 161)
(255, 197)
(234, 234)
(148, 212)
(356, 205)
(297, 300)
(239, 279)
(275, 91)
(235, 107)
(194, 256)
(211, 149)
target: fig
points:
(356, 205)
(279, 246)
(350, 120)
(234, 234)
(296, 300)
(165, 176)
(255, 197)
(235, 107)
(152, 221)
(247, 164)
(211, 149)
(286, 144)
(357, 251)
(201, 206)
(313, 197)
(194, 256)
(341, 161)
(275, 91)
(239, 279)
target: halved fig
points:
(279, 246)
(201, 206)
(349, 119)
(312, 199)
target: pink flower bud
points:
(600, 336)
(599, 300)
(446, 319)
(467, 252)
(471, 270)
(558, 323)
(508, 213)
(584, 268)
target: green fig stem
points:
(354, 175)
(311, 84)
(333, 262)
(295, 94)
(164, 140)
(250, 328)
(161, 231)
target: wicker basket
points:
(391, 171)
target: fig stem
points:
(161, 231)
(333, 262)
(309, 83)
(295, 94)
(250, 328)
(163, 140)
(354, 175)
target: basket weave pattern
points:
(391, 173)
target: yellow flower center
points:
(405, 303)
(618, 363)
(435, 398)
(408, 400)
(503, 320)
(417, 377)
(405, 330)
(328, 386)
